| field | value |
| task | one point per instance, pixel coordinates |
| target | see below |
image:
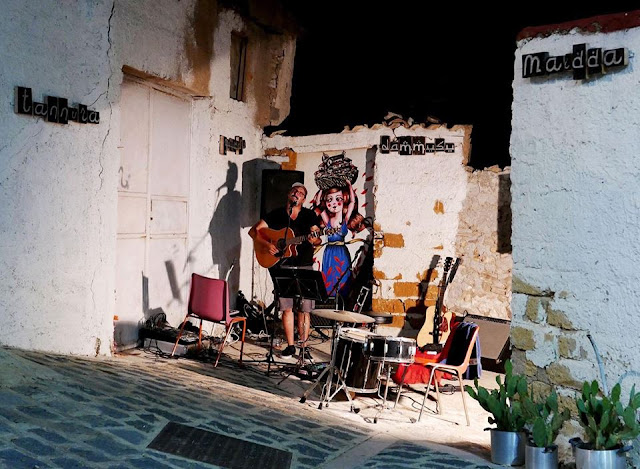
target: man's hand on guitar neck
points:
(314, 236)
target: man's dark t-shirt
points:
(301, 226)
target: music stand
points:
(298, 283)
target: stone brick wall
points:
(482, 285)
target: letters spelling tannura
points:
(54, 109)
(583, 62)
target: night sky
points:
(354, 62)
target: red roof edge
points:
(595, 24)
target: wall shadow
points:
(224, 230)
(504, 214)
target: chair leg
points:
(224, 342)
(438, 405)
(464, 402)
(175, 346)
(244, 329)
(426, 392)
(226, 337)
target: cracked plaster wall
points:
(58, 182)
(57, 222)
(575, 206)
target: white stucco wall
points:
(57, 222)
(575, 207)
(58, 182)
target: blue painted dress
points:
(335, 261)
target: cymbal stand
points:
(326, 396)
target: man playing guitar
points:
(302, 221)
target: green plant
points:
(607, 423)
(503, 403)
(543, 420)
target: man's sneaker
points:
(307, 354)
(288, 352)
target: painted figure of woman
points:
(336, 262)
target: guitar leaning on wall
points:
(437, 322)
(286, 242)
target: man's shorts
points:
(306, 305)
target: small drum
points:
(391, 349)
(360, 374)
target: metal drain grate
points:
(220, 450)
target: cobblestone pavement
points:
(70, 412)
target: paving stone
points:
(450, 462)
(16, 460)
(316, 443)
(68, 463)
(343, 435)
(224, 428)
(142, 425)
(271, 435)
(63, 406)
(100, 421)
(4, 427)
(111, 412)
(33, 445)
(118, 403)
(53, 437)
(10, 399)
(130, 436)
(73, 429)
(168, 415)
(85, 390)
(148, 463)
(35, 412)
(111, 446)
(309, 462)
(90, 455)
(308, 451)
(76, 397)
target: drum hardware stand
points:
(331, 369)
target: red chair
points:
(456, 369)
(209, 301)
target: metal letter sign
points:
(55, 110)
(414, 145)
(582, 61)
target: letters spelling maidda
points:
(54, 109)
(582, 61)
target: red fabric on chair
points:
(420, 374)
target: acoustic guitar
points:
(437, 322)
(286, 242)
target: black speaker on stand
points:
(275, 186)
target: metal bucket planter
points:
(541, 458)
(587, 458)
(507, 448)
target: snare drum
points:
(391, 349)
(360, 374)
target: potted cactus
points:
(504, 404)
(543, 423)
(608, 425)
